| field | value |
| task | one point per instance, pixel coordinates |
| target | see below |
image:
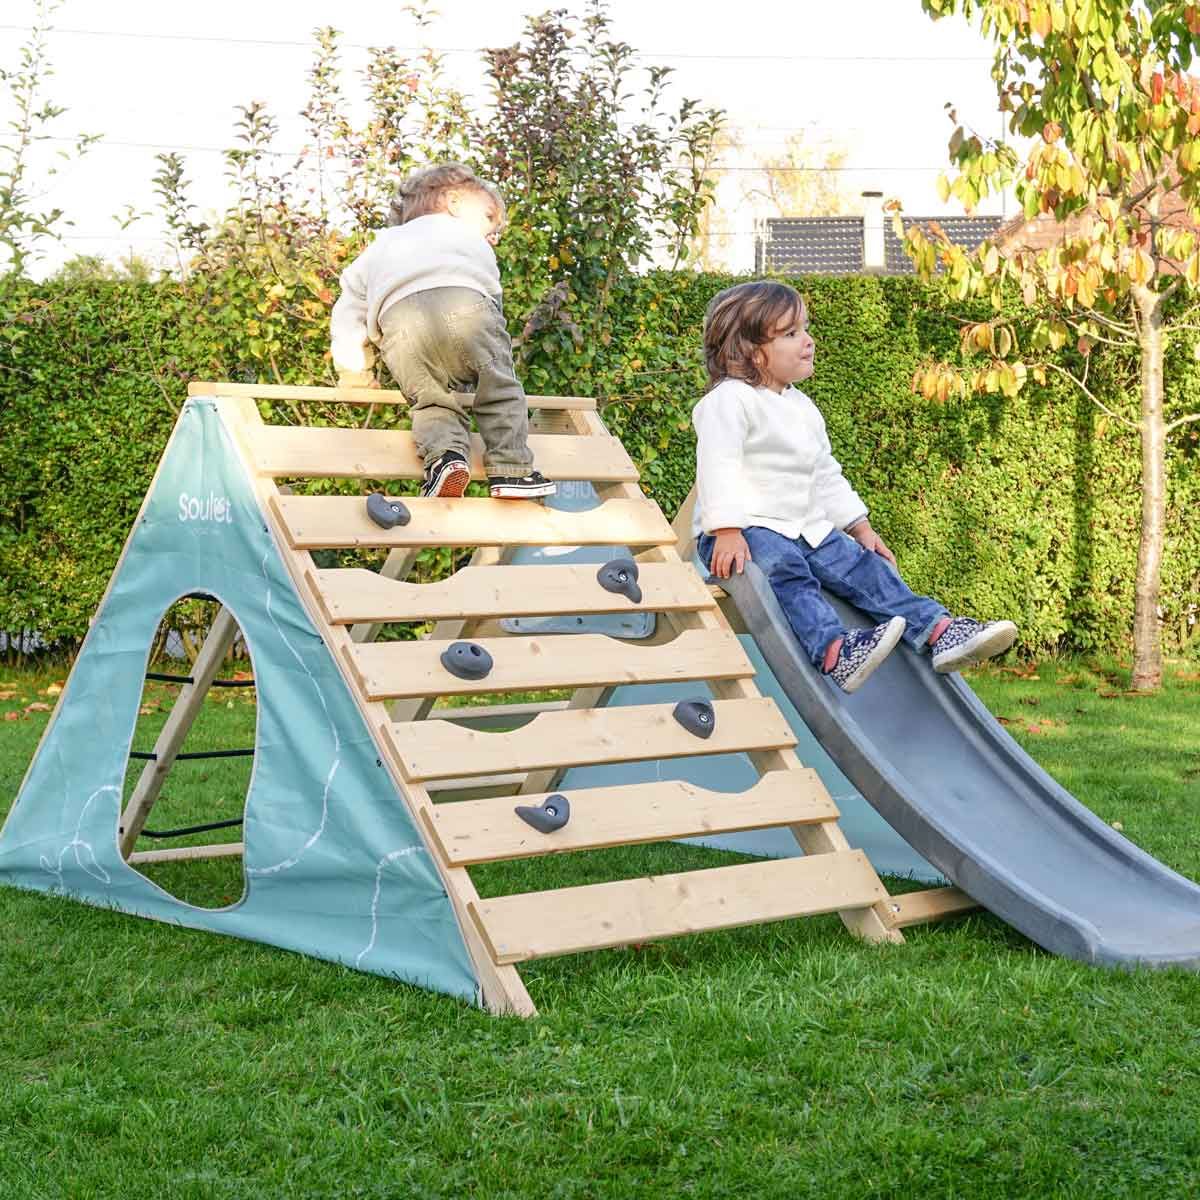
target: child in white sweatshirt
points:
(427, 293)
(769, 490)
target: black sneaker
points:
(966, 641)
(524, 487)
(447, 476)
(862, 651)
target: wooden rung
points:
(932, 904)
(185, 853)
(478, 831)
(540, 924)
(390, 670)
(582, 737)
(341, 522)
(359, 395)
(355, 594)
(307, 451)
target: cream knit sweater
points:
(763, 458)
(433, 251)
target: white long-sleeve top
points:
(433, 251)
(764, 458)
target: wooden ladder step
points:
(360, 395)
(479, 831)
(391, 670)
(355, 594)
(309, 451)
(341, 522)
(584, 737)
(601, 915)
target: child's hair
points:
(425, 191)
(741, 319)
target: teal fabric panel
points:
(864, 828)
(333, 865)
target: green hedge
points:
(1024, 507)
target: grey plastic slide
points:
(948, 778)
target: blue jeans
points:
(797, 572)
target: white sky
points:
(870, 76)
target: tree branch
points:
(1188, 420)
(1079, 383)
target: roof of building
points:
(834, 245)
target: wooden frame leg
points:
(187, 705)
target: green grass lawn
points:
(139, 1059)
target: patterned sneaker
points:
(446, 477)
(862, 651)
(525, 487)
(966, 641)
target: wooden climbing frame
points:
(458, 781)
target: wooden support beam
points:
(933, 904)
(186, 854)
(188, 703)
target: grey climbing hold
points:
(387, 514)
(466, 660)
(696, 716)
(620, 576)
(553, 813)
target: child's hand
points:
(729, 552)
(357, 379)
(868, 539)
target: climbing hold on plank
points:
(553, 813)
(387, 514)
(696, 716)
(466, 660)
(620, 576)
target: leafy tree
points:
(592, 196)
(23, 223)
(1102, 87)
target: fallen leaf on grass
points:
(37, 707)
(1117, 826)
(147, 709)
(13, 716)
(55, 689)
(1008, 720)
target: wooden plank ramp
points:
(352, 594)
(585, 737)
(358, 395)
(477, 831)
(304, 451)
(341, 522)
(392, 670)
(602, 915)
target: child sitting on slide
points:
(769, 490)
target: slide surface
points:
(948, 778)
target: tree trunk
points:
(1147, 639)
